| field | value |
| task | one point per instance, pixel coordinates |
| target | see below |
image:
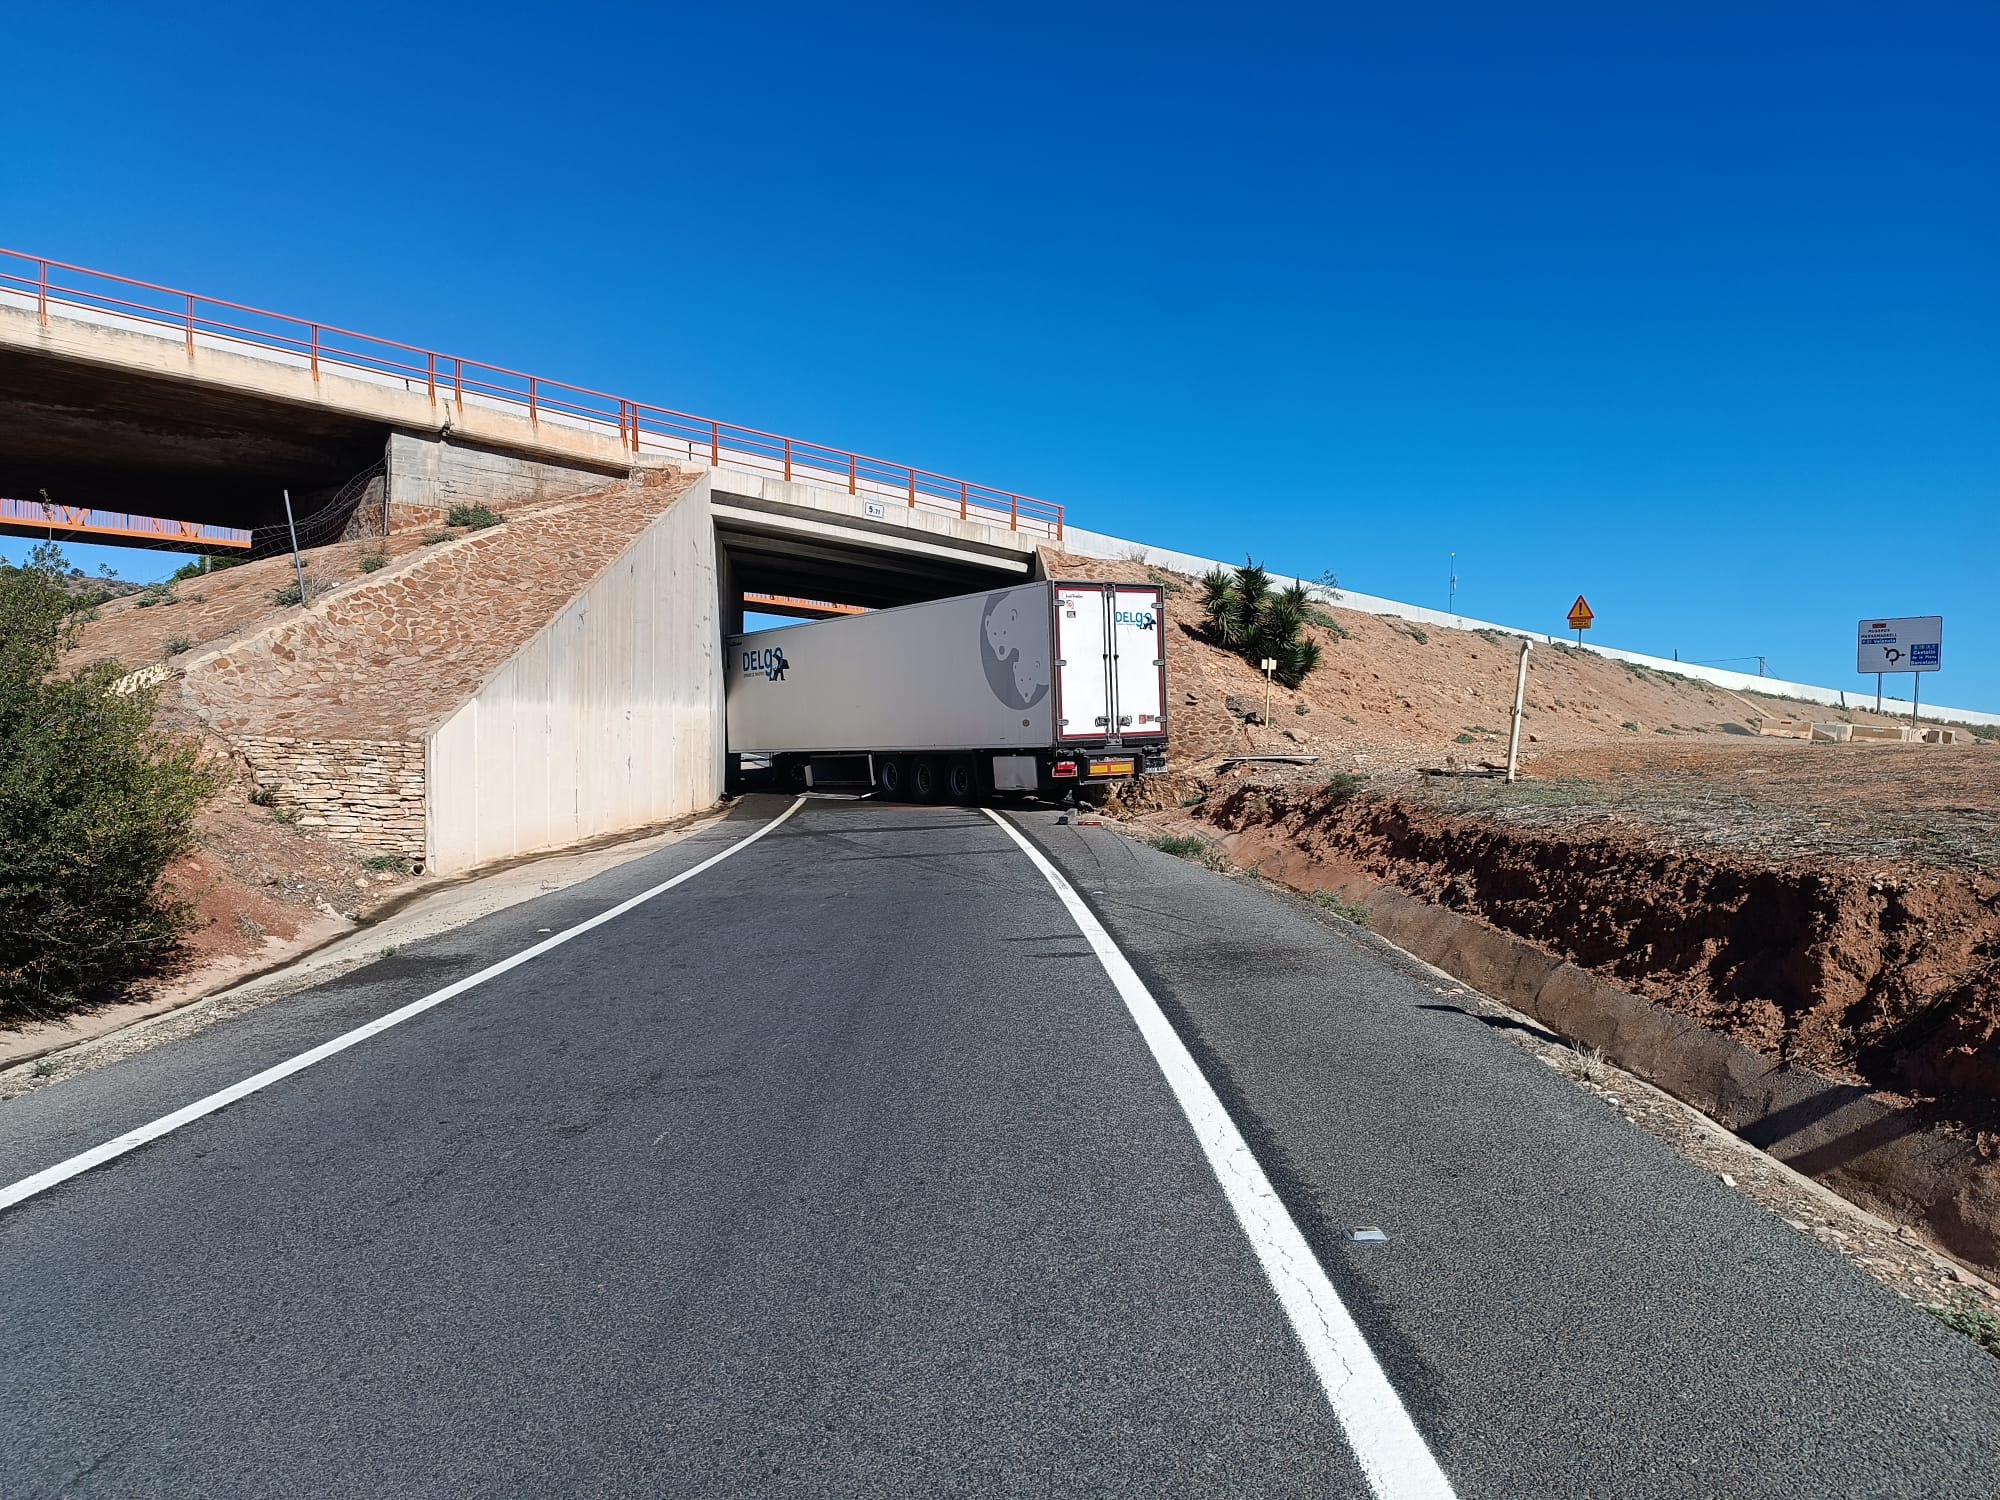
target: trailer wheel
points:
(924, 779)
(794, 774)
(891, 778)
(960, 782)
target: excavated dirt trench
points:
(1888, 978)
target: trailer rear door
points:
(1139, 657)
(1083, 663)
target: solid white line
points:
(97, 1156)
(1392, 1453)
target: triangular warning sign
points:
(1580, 614)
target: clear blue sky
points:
(1691, 308)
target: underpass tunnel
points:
(771, 576)
(128, 441)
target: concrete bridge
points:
(159, 417)
(134, 397)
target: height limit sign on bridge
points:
(1580, 616)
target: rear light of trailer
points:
(1063, 768)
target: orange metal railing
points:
(82, 520)
(641, 426)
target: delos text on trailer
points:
(1033, 687)
(1915, 644)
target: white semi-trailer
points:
(1040, 687)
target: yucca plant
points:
(1243, 613)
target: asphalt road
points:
(841, 1169)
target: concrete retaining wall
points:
(364, 792)
(610, 719)
(436, 474)
(1097, 544)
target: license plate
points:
(1122, 767)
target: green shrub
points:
(432, 538)
(1343, 786)
(1420, 635)
(1344, 909)
(1628, 724)
(95, 802)
(373, 562)
(386, 864)
(176, 644)
(1463, 739)
(1244, 613)
(201, 566)
(289, 594)
(1977, 1324)
(475, 517)
(1187, 846)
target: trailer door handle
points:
(1101, 719)
(1123, 720)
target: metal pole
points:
(1916, 691)
(1878, 692)
(1520, 698)
(297, 567)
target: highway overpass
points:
(843, 1150)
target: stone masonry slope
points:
(389, 660)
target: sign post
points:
(1520, 696)
(1270, 665)
(1580, 616)
(1914, 644)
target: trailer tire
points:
(892, 777)
(961, 782)
(924, 779)
(792, 772)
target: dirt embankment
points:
(1888, 977)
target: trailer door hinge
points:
(1100, 719)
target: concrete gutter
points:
(1871, 1150)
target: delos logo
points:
(1143, 618)
(770, 662)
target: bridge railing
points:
(86, 521)
(640, 427)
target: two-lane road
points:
(843, 1168)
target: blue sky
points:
(1690, 308)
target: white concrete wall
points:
(425, 470)
(610, 719)
(1096, 544)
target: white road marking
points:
(97, 1156)
(1392, 1453)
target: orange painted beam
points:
(38, 518)
(786, 604)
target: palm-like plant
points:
(1245, 614)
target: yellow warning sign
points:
(1580, 614)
